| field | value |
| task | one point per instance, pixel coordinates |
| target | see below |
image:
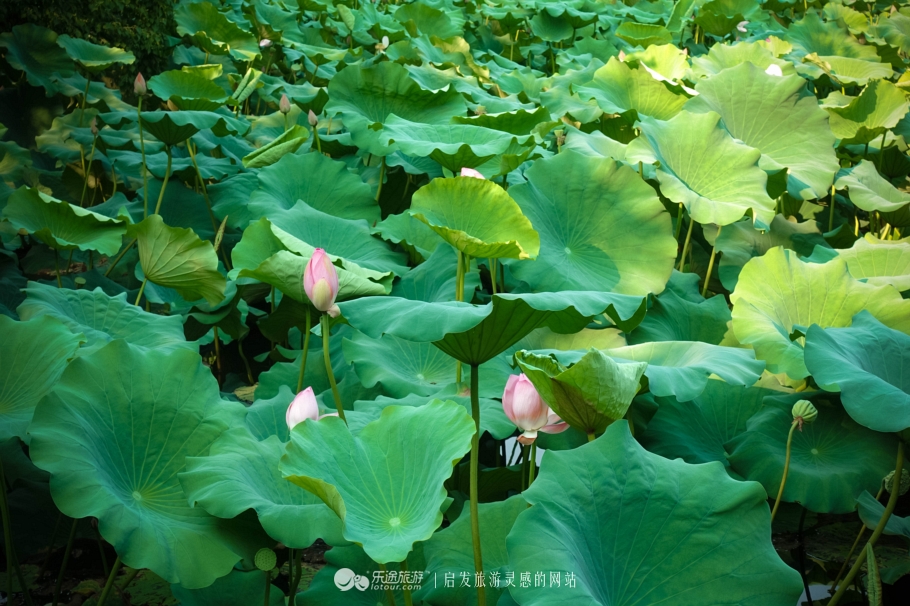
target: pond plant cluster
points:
(311, 283)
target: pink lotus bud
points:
(302, 407)
(622, 56)
(320, 281)
(139, 86)
(525, 408)
(311, 118)
(265, 43)
(94, 126)
(470, 172)
(284, 106)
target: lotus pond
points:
(535, 302)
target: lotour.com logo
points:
(346, 578)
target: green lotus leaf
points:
(778, 294)
(386, 483)
(410, 233)
(366, 97)
(172, 128)
(871, 511)
(431, 21)
(873, 261)
(450, 551)
(214, 32)
(601, 227)
(33, 49)
(515, 122)
(114, 434)
(14, 161)
(453, 146)
(434, 279)
(240, 587)
(666, 60)
(324, 184)
(869, 364)
(723, 56)
(188, 90)
(846, 70)
(33, 356)
(856, 458)
(740, 242)
(590, 394)
(477, 217)
(895, 29)
(869, 190)
(696, 431)
(704, 530)
(475, 334)
(643, 34)
(812, 35)
(673, 318)
(61, 225)
(286, 143)
(722, 186)
(176, 258)
(101, 318)
(879, 107)
(779, 117)
(241, 473)
(94, 57)
(617, 89)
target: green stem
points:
(859, 536)
(524, 465)
(8, 540)
(682, 258)
(388, 592)
(118, 257)
(66, 559)
(306, 349)
(492, 264)
(268, 587)
(591, 436)
(381, 177)
(532, 459)
(208, 203)
(783, 480)
(57, 268)
(91, 158)
(217, 342)
(129, 579)
(50, 548)
(881, 152)
(679, 216)
(459, 296)
(101, 551)
(88, 83)
(246, 363)
(141, 290)
(110, 581)
(704, 290)
(405, 588)
(831, 211)
(326, 333)
(145, 170)
(879, 528)
(296, 574)
(167, 176)
(475, 455)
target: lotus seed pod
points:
(265, 559)
(804, 411)
(904, 485)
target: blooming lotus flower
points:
(320, 281)
(383, 44)
(470, 172)
(525, 408)
(302, 407)
(284, 105)
(139, 86)
(774, 70)
(311, 118)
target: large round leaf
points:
(601, 227)
(477, 217)
(115, 433)
(701, 166)
(176, 258)
(779, 117)
(870, 364)
(862, 119)
(386, 483)
(102, 318)
(241, 473)
(778, 297)
(33, 355)
(618, 89)
(878, 261)
(93, 57)
(214, 32)
(635, 528)
(62, 225)
(674, 318)
(869, 190)
(188, 90)
(239, 588)
(853, 458)
(32, 49)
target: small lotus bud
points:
(94, 126)
(139, 86)
(284, 106)
(302, 407)
(804, 412)
(527, 411)
(312, 118)
(470, 172)
(622, 56)
(265, 43)
(774, 70)
(265, 559)
(903, 487)
(320, 282)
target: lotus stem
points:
(87, 170)
(591, 436)
(679, 217)
(831, 211)
(110, 581)
(459, 296)
(296, 573)
(532, 460)
(388, 592)
(268, 587)
(783, 480)
(881, 152)
(326, 333)
(704, 290)
(802, 554)
(306, 349)
(57, 268)
(859, 536)
(218, 355)
(50, 548)
(246, 363)
(66, 559)
(492, 264)
(141, 290)
(118, 257)
(879, 528)
(524, 465)
(88, 83)
(167, 176)
(145, 170)
(101, 551)
(405, 588)
(11, 559)
(475, 454)
(381, 177)
(129, 579)
(208, 203)
(682, 258)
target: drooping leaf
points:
(241, 587)
(673, 318)
(874, 261)
(93, 57)
(865, 117)
(869, 190)
(286, 143)
(214, 32)
(33, 49)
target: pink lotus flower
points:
(284, 106)
(312, 118)
(525, 408)
(304, 407)
(139, 86)
(320, 281)
(470, 172)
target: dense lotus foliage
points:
(348, 272)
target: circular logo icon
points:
(345, 579)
